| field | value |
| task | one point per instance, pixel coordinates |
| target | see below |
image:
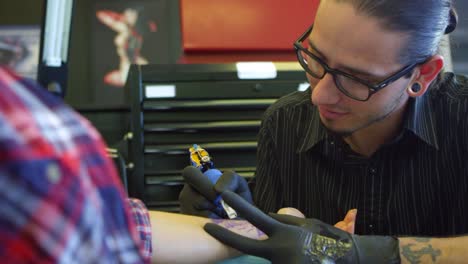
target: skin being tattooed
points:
(419, 250)
(241, 227)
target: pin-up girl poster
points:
(128, 41)
(125, 33)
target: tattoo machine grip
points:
(201, 183)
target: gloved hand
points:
(199, 195)
(298, 240)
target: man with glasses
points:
(381, 129)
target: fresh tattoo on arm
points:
(421, 248)
(241, 227)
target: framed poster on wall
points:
(125, 33)
(19, 46)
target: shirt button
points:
(53, 173)
(332, 143)
(371, 226)
(373, 170)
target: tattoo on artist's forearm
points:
(242, 227)
(414, 252)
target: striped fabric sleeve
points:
(143, 225)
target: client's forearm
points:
(180, 238)
(433, 250)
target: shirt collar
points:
(309, 140)
(418, 118)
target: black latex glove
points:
(199, 193)
(299, 240)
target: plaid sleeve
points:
(60, 196)
(143, 225)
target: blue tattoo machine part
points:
(204, 185)
(213, 175)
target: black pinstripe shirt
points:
(415, 185)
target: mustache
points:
(334, 108)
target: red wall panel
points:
(244, 25)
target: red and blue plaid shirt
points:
(60, 197)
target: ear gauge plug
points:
(415, 88)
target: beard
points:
(390, 108)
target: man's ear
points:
(429, 71)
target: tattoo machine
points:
(202, 175)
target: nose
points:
(325, 91)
